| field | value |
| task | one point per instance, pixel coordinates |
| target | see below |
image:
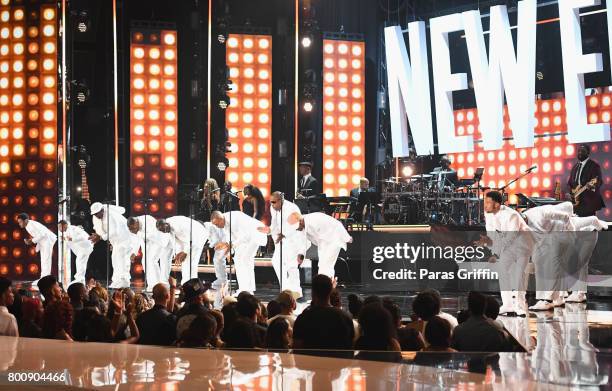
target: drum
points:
(391, 210)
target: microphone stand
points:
(62, 241)
(144, 254)
(231, 258)
(108, 243)
(503, 188)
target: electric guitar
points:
(576, 191)
(80, 214)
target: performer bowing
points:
(189, 237)
(110, 224)
(325, 232)
(246, 240)
(78, 242)
(585, 178)
(43, 238)
(159, 248)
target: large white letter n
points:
(409, 90)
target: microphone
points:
(532, 168)
(63, 201)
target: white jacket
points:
(244, 229)
(180, 231)
(119, 234)
(322, 229)
(39, 233)
(509, 232)
(77, 239)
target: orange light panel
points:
(552, 153)
(249, 117)
(28, 128)
(153, 120)
(343, 116)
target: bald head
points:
(217, 219)
(133, 225)
(294, 218)
(161, 295)
(276, 200)
(162, 225)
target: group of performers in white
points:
(181, 240)
(514, 240)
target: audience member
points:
(200, 333)
(249, 309)
(478, 333)
(57, 320)
(78, 295)
(31, 318)
(354, 305)
(157, 325)
(279, 335)
(196, 303)
(438, 335)
(50, 289)
(8, 322)
(217, 342)
(287, 305)
(273, 308)
(321, 326)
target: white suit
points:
(158, 250)
(44, 239)
(217, 236)
(513, 244)
(120, 238)
(292, 246)
(180, 228)
(330, 236)
(246, 240)
(78, 242)
(552, 228)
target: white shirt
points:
(154, 236)
(549, 218)
(39, 233)
(304, 178)
(244, 229)
(180, 228)
(77, 239)
(503, 227)
(290, 318)
(323, 229)
(293, 237)
(8, 323)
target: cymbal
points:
(441, 172)
(420, 176)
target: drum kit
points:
(432, 199)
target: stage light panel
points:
(153, 152)
(343, 130)
(552, 152)
(28, 165)
(250, 108)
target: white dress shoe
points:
(576, 297)
(506, 309)
(558, 302)
(542, 305)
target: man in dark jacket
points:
(583, 173)
(157, 326)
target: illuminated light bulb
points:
(18, 65)
(329, 120)
(5, 16)
(342, 77)
(248, 162)
(154, 145)
(17, 32)
(154, 53)
(4, 50)
(329, 106)
(249, 88)
(48, 64)
(169, 70)
(170, 99)
(17, 133)
(342, 63)
(328, 63)
(138, 83)
(262, 148)
(247, 177)
(593, 101)
(18, 48)
(328, 135)
(48, 132)
(48, 30)
(342, 150)
(48, 98)
(233, 118)
(356, 165)
(329, 91)
(247, 132)
(342, 48)
(170, 161)
(154, 115)
(593, 118)
(342, 121)
(247, 118)
(356, 151)
(262, 163)
(328, 178)
(17, 99)
(264, 74)
(18, 150)
(4, 150)
(343, 135)
(328, 150)
(249, 73)
(17, 116)
(343, 179)
(48, 14)
(356, 64)
(233, 57)
(356, 50)
(139, 130)
(48, 115)
(248, 58)
(154, 69)
(169, 54)
(356, 107)
(232, 42)
(32, 65)
(4, 168)
(248, 103)
(18, 82)
(328, 48)
(169, 39)
(248, 147)
(49, 149)
(138, 99)
(48, 48)
(138, 52)
(343, 92)
(170, 131)
(356, 93)
(356, 79)
(139, 114)
(356, 122)
(263, 133)
(343, 106)
(139, 145)
(169, 85)
(264, 43)
(356, 136)
(170, 116)
(262, 58)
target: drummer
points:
(444, 176)
(356, 208)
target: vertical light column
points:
(153, 120)
(249, 116)
(343, 116)
(28, 129)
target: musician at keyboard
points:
(584, 183)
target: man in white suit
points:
(158, 247)
(110, 224)
(43, 238)
(325, 232)
(246, 239)
(287, 237)
(189, 237)
(552, 227)
(511, 243)
(217, 236)
(78, 242)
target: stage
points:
(566, 348)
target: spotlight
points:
(308, 106)
(407, 171)
(224, 102)
(306, 41)
(221, 38)
(81, 91)
(221, 166)
(83, 23)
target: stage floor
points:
(567, 348)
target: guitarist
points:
(586, 169)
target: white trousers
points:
(290, 278)
(46, 256)
(165, 264)
(220, 271)
(328, 255)
(82, 257)
(513, 279)
(586, 243)
(151, 264)
(190, 270)
(120, 259)
(550, 258)
(244, 262)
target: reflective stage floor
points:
(567, 348)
